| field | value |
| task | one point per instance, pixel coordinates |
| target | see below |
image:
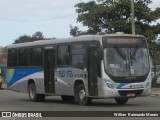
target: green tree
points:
(23, 38)
(26, 38)
(38, 36)
(115, 15)
(74, 31)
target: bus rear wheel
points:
(33, 96)
(121, 101)
(81, 96)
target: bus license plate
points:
(130, 94)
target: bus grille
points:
(125, 92)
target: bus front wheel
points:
(81, 94)
(121, 101)
(33, 96)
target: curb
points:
(155, 95)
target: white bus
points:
(81, 68)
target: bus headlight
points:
(148, 84)
(109, 84)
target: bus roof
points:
(68, 40)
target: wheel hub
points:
(32, 93)
(82, 95)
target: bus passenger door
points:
(92, 72)
(49, 64)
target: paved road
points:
(17, 101)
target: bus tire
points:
(33, 96)
(0, 85)
(81, 96)
(67, 98)
(121, 101)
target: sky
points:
(51, 17)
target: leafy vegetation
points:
(26, 38)
(113, 16)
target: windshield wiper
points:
(134, 52)
(121, 55)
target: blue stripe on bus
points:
(117, 85)
(13, 75)
(121, 85)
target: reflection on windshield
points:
(126, 62)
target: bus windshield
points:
(131, 61)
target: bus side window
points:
(12, 58)
(77, 55)
(63, 55)
(36, 56)
(23, 57)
